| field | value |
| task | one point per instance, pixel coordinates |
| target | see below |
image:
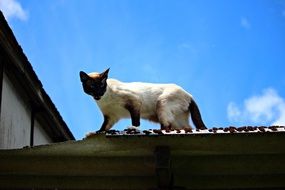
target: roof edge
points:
(24, 67)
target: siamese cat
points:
(167, 104)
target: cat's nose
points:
(97, 97)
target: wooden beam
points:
(163, 167)
(75, 182)
(77, 166)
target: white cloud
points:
(244, 22)
(12, 8)
(265, 109)
(234, 113)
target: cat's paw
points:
(132, 130)
(132, 127)
(90, 134)
(100, 132)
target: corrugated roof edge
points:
(231, 130)
(26, 66)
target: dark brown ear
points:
(104, 75)
(83, 76)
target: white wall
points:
(15, 121)
(40, 136)
(15, 118)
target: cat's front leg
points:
(102, 129)
(134, 113)
(106, 125)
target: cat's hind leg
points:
(182, 121)
(165, 114)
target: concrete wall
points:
(15, 120)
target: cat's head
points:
(94, 84)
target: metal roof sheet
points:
(244, 160)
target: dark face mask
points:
(94, 86)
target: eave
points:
(193, 161)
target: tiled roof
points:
(188, 131)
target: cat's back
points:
(144, 88)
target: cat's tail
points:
(196, 116)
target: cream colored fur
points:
(167, 104)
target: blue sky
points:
(229, 54)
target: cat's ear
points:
(83, 76)
(104, 75)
